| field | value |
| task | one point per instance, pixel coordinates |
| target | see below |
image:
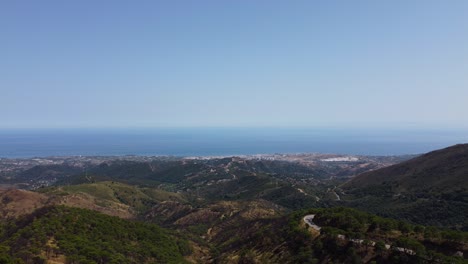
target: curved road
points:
(308, 220)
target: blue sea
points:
(223, 141)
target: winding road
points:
(308, 220)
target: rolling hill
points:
(442, 170)
(430, 189)
(60, 234)
(239, 211)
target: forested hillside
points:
(233, 210)
(75, 235)
(430, 189)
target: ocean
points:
(222, 141)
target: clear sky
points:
(218, 63)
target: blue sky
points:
(233, 63)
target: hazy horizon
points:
(223, 141)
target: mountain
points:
(225, 233)
(60, 234)
(442, 170)
(235, 210)
(253, 232)
(430, 189)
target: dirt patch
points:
(14, 202)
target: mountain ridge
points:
(431, 189)
(452, 162)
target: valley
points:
(243, 209)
